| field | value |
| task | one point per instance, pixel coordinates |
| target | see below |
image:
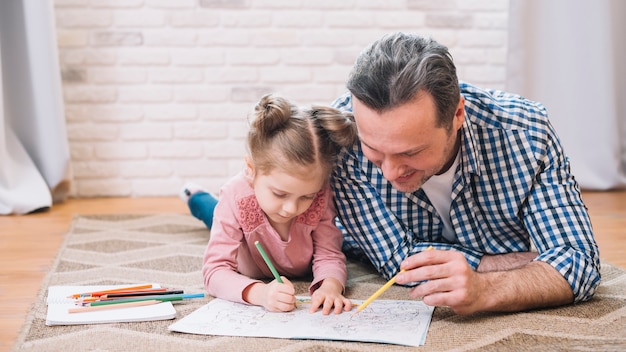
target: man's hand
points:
(450, 281)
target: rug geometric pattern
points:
(168, 249)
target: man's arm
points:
(535, 285)
(557, 220)
(452, 282)
(502, 262)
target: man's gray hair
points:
(393, 69)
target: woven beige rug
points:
(168, 249)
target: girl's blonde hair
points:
(285, 136)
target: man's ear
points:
(459, 115)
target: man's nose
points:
(391, 168)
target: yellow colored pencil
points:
(381, 290)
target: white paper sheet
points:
(59, 303)
(382, 321)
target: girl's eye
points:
(279, 195)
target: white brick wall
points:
(157, 92)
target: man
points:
(478, 174)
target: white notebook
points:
(59, 304)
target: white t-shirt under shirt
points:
(439, 190)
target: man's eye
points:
(410, 154)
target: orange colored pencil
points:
(152, 290)
(99, 293)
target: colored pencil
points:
(381, 290)
(88, 294)
(103, 293)
(98, 295)
(267, 260)
(113, 306)
(163, 298)
(116, 296)
(139, 294)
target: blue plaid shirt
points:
(512, 187)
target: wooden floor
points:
(29, 244)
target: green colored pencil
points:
(268, 261)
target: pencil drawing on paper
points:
(384, 321)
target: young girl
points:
(283, 200)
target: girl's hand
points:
(274, 296)
(328, 295)
(280, 297)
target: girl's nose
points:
(289, 208)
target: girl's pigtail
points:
(339, 126)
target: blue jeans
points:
(202, 205)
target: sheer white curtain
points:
(34, 152)
(571, 56)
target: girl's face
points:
(282, 196)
